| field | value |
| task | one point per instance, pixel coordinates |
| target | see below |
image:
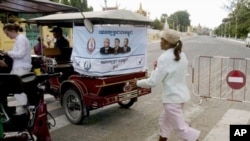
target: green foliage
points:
(82, 5)
(156, 24)
(66, 2)
(3, 17)
(164, 18)
(237, 24)
(55, 1)
(178, 21)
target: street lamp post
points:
(225, 32)
(236, 27)
(105, 1)
(221, 31)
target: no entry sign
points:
(236, 79)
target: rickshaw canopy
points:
(117, 26)
(34, 6)
(96, 17)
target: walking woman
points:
(21, 55)
(171, 70)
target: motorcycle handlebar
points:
(40, 77)
(45, 76)
(55, 74)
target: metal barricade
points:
(221, 78)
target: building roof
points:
(34, 6)
(96, 17)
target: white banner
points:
(109, 50)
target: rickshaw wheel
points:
(127, 103)
(74, 107)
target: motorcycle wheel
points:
(127, 103)
(74, 108)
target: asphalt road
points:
(140, 122)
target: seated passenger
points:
(61, 41)
(39, 46)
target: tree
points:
(173, 20)
(82, 5)
(156, 24)
(58, 1)
(179, 21)
(164, 18)
(3, 17)
(239, 18)
(66, 2)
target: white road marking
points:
(220, 132)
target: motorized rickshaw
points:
(92, 79)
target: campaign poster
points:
(109, 50)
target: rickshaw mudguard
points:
(73, 84)
(78, 83)
(86, 87)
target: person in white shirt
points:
(21, 55)
(171, 70)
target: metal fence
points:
(221, 78)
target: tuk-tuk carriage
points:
(93, 77)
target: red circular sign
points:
(236, 79)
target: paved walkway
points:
(233, 39)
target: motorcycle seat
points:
(10, 83)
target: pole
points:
(236, 27)
(105, 1)
(225, 30)
(229, 29)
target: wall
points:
(32, 32)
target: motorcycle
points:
(32, 123)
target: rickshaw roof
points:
(96, 17)
(34, 6)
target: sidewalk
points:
(233, 40)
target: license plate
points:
(128, 95)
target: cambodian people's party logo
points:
(87, 65)
(91, 45)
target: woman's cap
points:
(170, 35)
